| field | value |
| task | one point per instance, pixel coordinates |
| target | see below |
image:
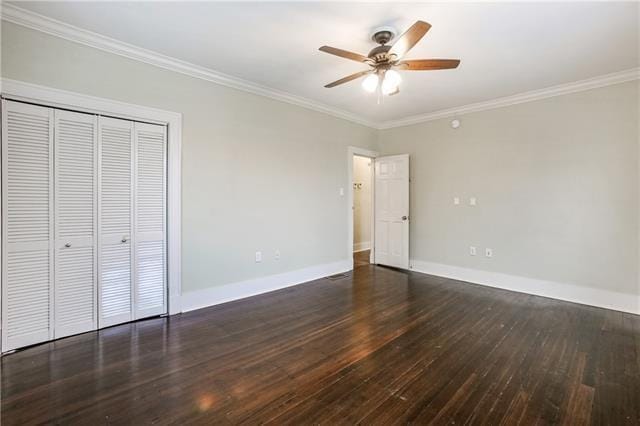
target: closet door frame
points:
(56, 98)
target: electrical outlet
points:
(472, 251)
(488, 252)
(277, 255)
(456, 201)
(258, 256)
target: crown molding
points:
(35, 21)
(533, 95)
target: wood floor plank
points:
(376, 346)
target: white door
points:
(392, 211)
(75, 184)
(115, 204)
(27, 228)
(83, 224)
(150, 297)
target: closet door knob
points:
(124, 239)
(67, 245)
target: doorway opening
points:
(362, 209)
(388, 191)
(365, 248)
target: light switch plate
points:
(258, 256)
(456, 200)
(472, 201)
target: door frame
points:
(56, 98)
(360, 152)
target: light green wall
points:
(257, 174)
(556, 182)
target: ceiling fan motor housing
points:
(379, 54)
(382, 36)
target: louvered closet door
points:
(75, 223)
(115, 256)
(27, 231)
(149, 240)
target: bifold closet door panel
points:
(150, 296)
(27, 228)
(115, 193)
(75, 142)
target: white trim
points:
(533, 95)
(568, 292)
(363, 152)
(35, 21)
(638, 195)
(239, 290)
(27, 92)
(357, 247)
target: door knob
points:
(124, 239)
(405, 217)
(67, 245)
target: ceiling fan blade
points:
(428, 64)
(344, 54)
(348, 78)
(409, 39)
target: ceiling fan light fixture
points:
(384, 59)
(370, 83)
(391, 82)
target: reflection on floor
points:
(376, 346)
(361, 258)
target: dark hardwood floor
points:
(361, 258)
(378, 346)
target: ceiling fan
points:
(384, 60)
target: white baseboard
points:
(215, 295)
(568, 292)
(366, 245)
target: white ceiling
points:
(505, 48)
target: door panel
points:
(392, 211)
(27, 228)
(150, 296)
(75, 290)
(115, 225)
(75, 223)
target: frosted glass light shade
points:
(391, 82)
(370, 84)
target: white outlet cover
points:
(456, 200)
(472, 201)
(258, 256)
(277, 255)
